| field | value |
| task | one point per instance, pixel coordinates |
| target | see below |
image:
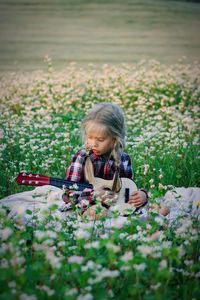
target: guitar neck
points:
(40, 180)
(68, 184)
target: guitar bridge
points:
(127, 192)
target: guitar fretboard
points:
(61, 182)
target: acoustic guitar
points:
(127, 186)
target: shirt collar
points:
(104, 157)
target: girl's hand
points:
(138, 198)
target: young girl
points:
(103, 133)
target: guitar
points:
(126, 189)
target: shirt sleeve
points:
(126, 167)
(75, 170)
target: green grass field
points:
(100, 31)
(49, 258)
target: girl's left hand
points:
(138, 198)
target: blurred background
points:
(97, 31)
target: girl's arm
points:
(75, 170)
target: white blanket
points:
(180, 201)
(35, 201)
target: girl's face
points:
(98, 140)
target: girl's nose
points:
(96, 144)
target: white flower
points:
(53, 260)
(94, 245)
(163, 264)
(1, 133)
(159, 220)
(87, 296)
(82, 234)
(27, 297)
(140, 267)
(75, 259)
(103, 274)
(145, 250)
(5, 233)
(125, 268)
(146, 168)
(46, 289)
(155, 286)
(127, 256)
(113, 247)
(71, 292)
(12, 284)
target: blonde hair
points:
(111, 117)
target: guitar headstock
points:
(32, 179)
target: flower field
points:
(41, 114)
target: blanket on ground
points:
(180, 201)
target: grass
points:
(96, 31)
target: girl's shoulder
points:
(80, 155)
(125, 156)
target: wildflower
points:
(140, 267)
(75, 259)
(104, 273)
(87, 296)
(46, 289)
(71, 292)
(125, 268)
(155, 286)
(94, 245)
(27, 297)
(127, 256)
(53, 259)
(1, 133)
(82, 234)
(145, 250)
(163, 264)
(146, 168)
(12, 284)
(5, 233)
(113, 247)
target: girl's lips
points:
(95, 151)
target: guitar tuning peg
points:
(30, 181)
(30, 175)
(37, 176)
(23, 181)
(23, 174)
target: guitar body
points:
(127, 187)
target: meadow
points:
(40, 120)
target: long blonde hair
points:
(111, 116)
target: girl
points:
(103, 133)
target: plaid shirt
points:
(103, 168)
